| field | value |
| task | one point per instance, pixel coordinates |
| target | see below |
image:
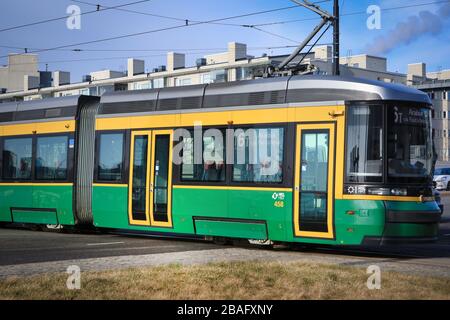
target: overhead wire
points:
(351, 13)
(314, 44)
(158, 30)
(148, 56)
(67, 16)
(253, 26)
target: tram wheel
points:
(34, 227)
(222, 241)
(52, 228)
(448, 186)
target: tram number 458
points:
(278, 204)
(279, 199)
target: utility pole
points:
(336, 66)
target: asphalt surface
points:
(22, 248)
(18, 246)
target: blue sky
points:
(430, 47)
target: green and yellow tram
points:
(354, 161)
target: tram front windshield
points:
(394, 135)
(409, 143)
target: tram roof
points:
(266, 91)
(62, 107)
(40, 104)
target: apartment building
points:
(232, 65)
(437, 85)
(21, 70)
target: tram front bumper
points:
(408, 223)
(394, 216)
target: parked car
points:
(437, 198)
(441, 178)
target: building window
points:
(211, 165)
(432, 95)
(205, 78)
(101, 90)
(142, 85)
(245, 73)
(158, 83)
(85, 92)
(182, 82)
(51, 158)
(218, 76)
(258, 155)
(110, 161)
(444, 115)
(120, 87)
(17, 158)
(444, 95)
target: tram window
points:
(51, 158)
(110, 161)
(258, 155)
(409, 143)
(209, 165)
(17, 158)
(364, 162)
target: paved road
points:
(19, 246)
(24, 252)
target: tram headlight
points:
(387, 191)
(379, 191)
(399, 192)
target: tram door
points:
(314, 180)
(150, 181)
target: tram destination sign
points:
(410, 116)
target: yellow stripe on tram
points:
(30, 184)
(38, 128)
(385, 198)
(111, 185)
(237, 117)
(232, 188)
